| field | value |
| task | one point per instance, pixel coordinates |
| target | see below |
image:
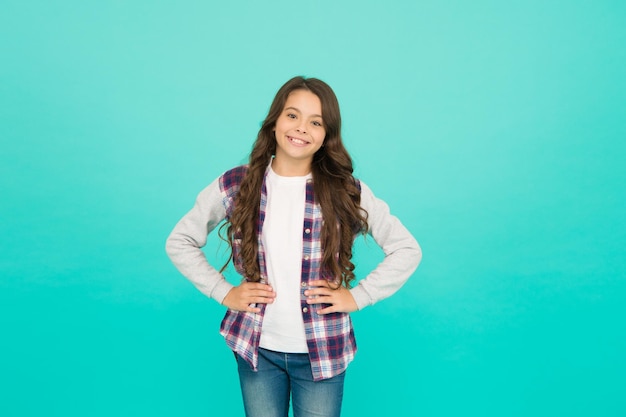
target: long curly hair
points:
(334, 187)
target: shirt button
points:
(306, 257)
(307, 231)
(305, 309)
(303, 284)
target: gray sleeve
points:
(402, 252)
(184, 244)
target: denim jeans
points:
(266, 392)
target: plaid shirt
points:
(330, 337)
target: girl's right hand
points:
(246, 294)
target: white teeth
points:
(298, 141)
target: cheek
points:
(280, 128)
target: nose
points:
(301, 128)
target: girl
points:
(291, 216)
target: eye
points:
(291, 115)
(317, 123)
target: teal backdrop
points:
(495, 130)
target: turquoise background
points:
(495, 130)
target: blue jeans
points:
(281, 375)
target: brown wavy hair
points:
(334, 187)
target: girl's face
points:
(299, 133)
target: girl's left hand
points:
(340, 299)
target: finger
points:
(317, 292)
(263, 300)
(322, 299)
(256, 286)
(319, 283)
(327, 310)
(261, 293)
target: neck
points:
(291, 168)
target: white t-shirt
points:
(283, 328)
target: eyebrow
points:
(298, 110)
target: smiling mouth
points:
(297, 141)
